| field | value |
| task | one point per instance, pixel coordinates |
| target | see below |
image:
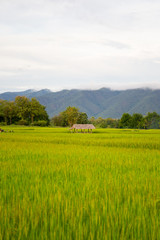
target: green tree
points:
(137, 121)
(69, 117)
(64, 119)
(110, 123)
(24, 111)
(2, 118)
(152, 120)
(92, 120)
(35, 109)
(43, 114)
(72, 114)
(125, 121)
(82, 118)
(23, 106)
(56, 120)
(12, 111)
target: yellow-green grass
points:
(58, 185)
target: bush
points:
(22, 122)
(3, 124)
(41, 123)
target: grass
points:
(59, 185)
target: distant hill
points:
(28, 93)
(98, 103)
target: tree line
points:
(135, 121)
(23, 111)
(72, 115)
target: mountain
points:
(98, 103)
(10, 96)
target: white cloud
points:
(58, 42)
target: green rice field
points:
(59, 185)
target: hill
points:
(98, 103)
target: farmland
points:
(58, 185)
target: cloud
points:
(156, 61)
(116, 44)
(56, 42)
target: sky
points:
(65, 44)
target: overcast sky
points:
(60, 44)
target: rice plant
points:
(59, 185)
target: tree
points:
(34, 107)
(125, 121)
(23, 111)
(152, 120)
(12, 111)
(64, 119)
(82, 118)
(37, 111)
(109, 122)
(137, 121)
(104, 123)
(69, 117)
(92, 120)
(2, 118)
(56, 120)
(43, 114)
(72, 114)
(22, 104)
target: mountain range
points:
(105, 103)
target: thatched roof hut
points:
(82, 127)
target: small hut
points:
(82, 127)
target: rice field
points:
(58, 185)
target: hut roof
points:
(83, 126)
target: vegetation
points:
(98, 103)
(104, 123)
(59, 185)
(72, 115)
(23, 111)
(69, 117)
(135, 121)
